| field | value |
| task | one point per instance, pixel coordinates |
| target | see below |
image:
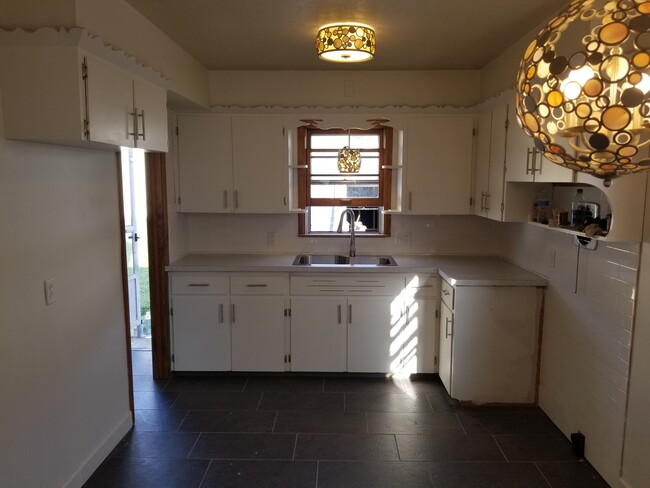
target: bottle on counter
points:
(543, 211)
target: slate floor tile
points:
(448, 447)
(155, 445)
(279, 400)
(411, 423)
(260, 474)
(152, 400)
(513, 422)
(576, 474)
(225, 421)
(346, 447)
(147, 383)
(387, 402)
(198, 400)
(148, 473)
(360, 385)
(244, 446)
(206, 383)
(346, 474)
(158, 420)
(486, 475)
(536, 448)
(321, 422)
(285, 383)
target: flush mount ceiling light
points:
(594, 100)
(349, 160)
(347, 42)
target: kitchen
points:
(574, 390)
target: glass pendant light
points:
(349, 160)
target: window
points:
(326, 193)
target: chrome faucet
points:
(349, 212)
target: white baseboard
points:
(101, 452)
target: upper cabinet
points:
(438, 164)
(524, 162)
(55, 91)
(490, 163)
(232, 163)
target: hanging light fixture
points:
(589, 109)
(349, 160)
(346, 42)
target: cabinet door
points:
(420, 339)
(496, 193)
(318, 334)
(482, 169)
(446, 349)
(438, 165)
(201, 333)
(258, 333)
(519, 157)
(204, 160)
(150, 103)
(548, 172)
(110, 103)
(371, 345)
(260, 162)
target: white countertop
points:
(458, 270)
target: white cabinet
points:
(60, 93)
(232, 164)
(318, 334)
(205, 169)
(525, 162)
(489, 343)
(200, 322)
(438, 164)
(490, 163)
(260, 160)
(419, 337)
(259, 318)
(371, 346)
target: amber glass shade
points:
(588, 107)
(346, 43)
(349, 160)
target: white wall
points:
(636, 468)
(328, 88)
(64, 376)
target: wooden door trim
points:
(157, 231)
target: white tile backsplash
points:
(586, 335)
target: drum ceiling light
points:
(589, 109)
(347, 42)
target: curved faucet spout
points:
(350, 213)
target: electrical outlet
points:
(551, 258)
(271, 239)
(404, 239)
(50, 292)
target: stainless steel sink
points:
(340, 260)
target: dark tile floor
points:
(257, 431)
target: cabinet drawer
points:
(447, 294)
(422, 286)
(199, 284)
(263, 284)
(326, 284)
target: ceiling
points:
(411, 34)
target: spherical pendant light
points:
(583, 88)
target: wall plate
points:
(585, 242)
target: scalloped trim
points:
(76, 36)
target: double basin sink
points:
(341, 260)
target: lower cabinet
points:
(489, 343)
(258, 324)
(318, 334)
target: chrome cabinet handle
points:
(142, 134)
(257, 285)
(410, 200)
(199, 284)
(487, 206)
(528, 168)
(236, 195)
(232, 314)
(221, 313)
(350, 314)
(447, 322)
(225, 199)
(339, 314)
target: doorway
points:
(134, 190)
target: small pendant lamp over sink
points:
(349, 160)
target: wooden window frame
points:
(385, 176)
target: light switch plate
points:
(50, 292)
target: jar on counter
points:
(543, 211)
